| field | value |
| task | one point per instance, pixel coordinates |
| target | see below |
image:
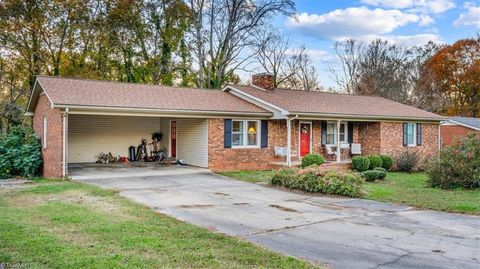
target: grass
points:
(61, 224)
(402, 188)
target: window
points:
(245, 133)
(45, 132)
(411, 131)
(343, 132)
(331, 133)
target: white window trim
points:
(299, 140)
(335, 135)
(245, 134)
(45, 132)
(414, 134)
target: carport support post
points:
(339, 151)
(64, 143)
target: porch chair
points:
(330, 151)
(356, 149)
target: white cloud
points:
(425, 20)
(412, 40)
(352, 22)
(423, 6)
(470, 18)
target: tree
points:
(223, 29)
(303, 74)
(456, 73)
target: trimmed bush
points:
(458, 166)
(375, 161)
(371, 175)
(311, 159)
(360, 163)
(387, 161)
(328, 182)
(406, 161)
(382, 172)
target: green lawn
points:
(402, 188)
(58, 224)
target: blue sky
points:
(319, 23)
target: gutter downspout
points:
(439, 138)
(289, 140)
(64, 143)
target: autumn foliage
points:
(455, 72)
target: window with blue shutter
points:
(264, 134)
(227, 133)
(419, 134)
(324, 133)
(350, 132)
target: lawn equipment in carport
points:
(157, 154)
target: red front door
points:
(305, 130)
(173, 138)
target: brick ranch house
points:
(237, 128)
(458, 127)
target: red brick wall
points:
(375, 137)
(52, 155)
(449, 133)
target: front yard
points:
(403, 188)
(61, 224)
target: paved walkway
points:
(337, 232)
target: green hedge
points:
(375, 161)
(387, 162)
(311, 159)
(360, 163)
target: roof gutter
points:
(365, 117)
(92, 110)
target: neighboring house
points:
(240, 127)
(458, 127)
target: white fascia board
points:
(354, 117)
(122, 111)
(34, 91)
(257, 101)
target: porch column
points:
(289, 143)
(339, 152)
(64, 143)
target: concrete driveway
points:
(337, 232)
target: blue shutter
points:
(324, 133)
(264, 134)
(227, 131)
(350, 132)
(419, 134)
(405, 132)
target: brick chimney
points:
(264, 80)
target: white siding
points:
(88, 135)
(192, 141)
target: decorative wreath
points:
(304, 129)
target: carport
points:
(90, 134)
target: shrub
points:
(382, 172)
(458, 166)
(329, 182)
(360, 163)
(375, 161)
(406, 161)
(371, 175)
(283, 177)
(347, 184)
(311, 159)
(21, 153)
(387, 161)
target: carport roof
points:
(108, 94)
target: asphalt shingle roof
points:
(472, 122)
(70, 91)
(335, 103)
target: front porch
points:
(336, 140)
